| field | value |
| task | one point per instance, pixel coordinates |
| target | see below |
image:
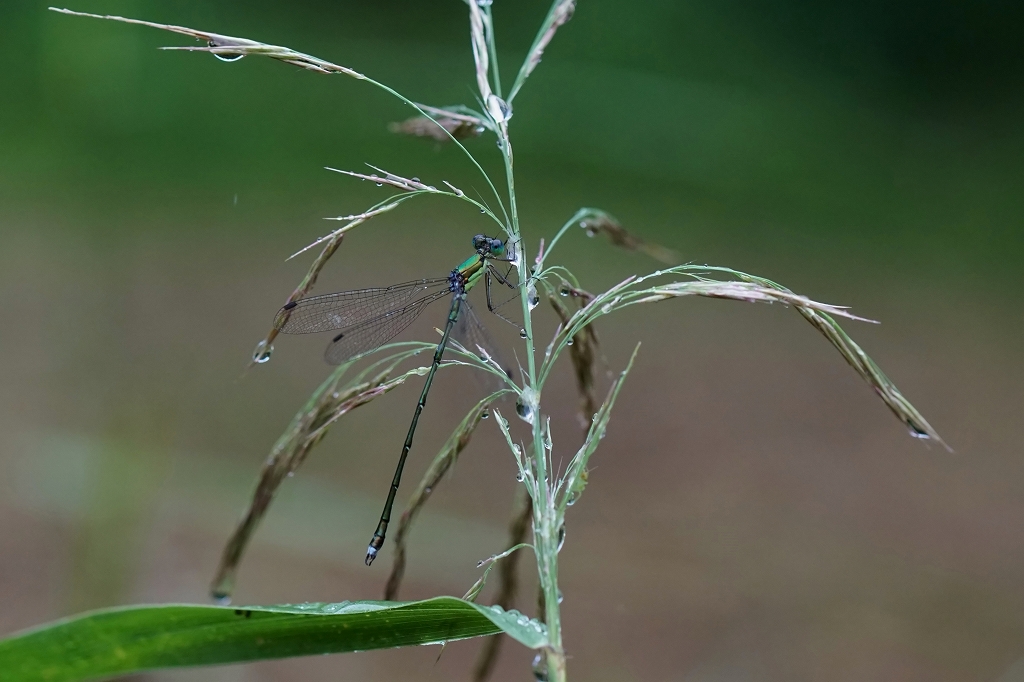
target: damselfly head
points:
(488, 246)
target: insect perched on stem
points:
(366, 319)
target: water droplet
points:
(571, 500)
(560, 597)
(522, 620)
(262, 352)
(606, 308)
(564, 290)
(522, 333)
(561, 538)
(428, 490)
(524, 411)
(531, 296)
(516, 449)
(483, 210)
(501, 144)
(485, 415)
(520, 477)
(416, 179)
(291, 474)
(569, 341)
(228, 57)
(222, 599)
(540, 668)
(380, 184)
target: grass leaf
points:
(123, 640)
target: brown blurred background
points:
(755, 513)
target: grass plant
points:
(549, 489)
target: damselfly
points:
(368, 318)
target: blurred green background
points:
(754, 514)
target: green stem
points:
(546, 519)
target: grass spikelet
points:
(229, 47)
(386, 178)
(751, 289)
(868, 370)
(481, 53)
(602, 223)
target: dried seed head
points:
(421, 126)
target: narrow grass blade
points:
(131, 639)
(561, 11)
(575, 479)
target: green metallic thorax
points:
(472, 268)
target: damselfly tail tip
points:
(371, 554)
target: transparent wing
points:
(350, 308)
(471, 333)
(376, 331)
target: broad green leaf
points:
(128, 639)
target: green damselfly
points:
(366, 319)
